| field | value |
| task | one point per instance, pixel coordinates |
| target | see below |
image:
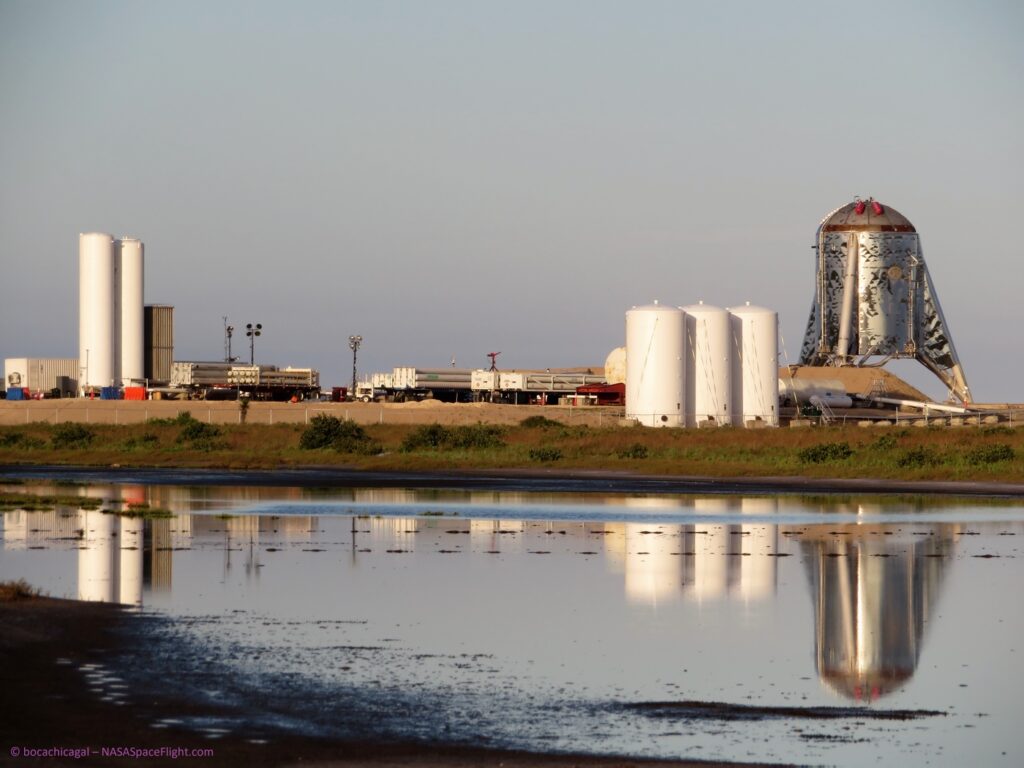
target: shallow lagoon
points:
(550, 621)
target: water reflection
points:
(873, 594)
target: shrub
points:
(919, 457)
(11, 591)
(342, 435)
(197, 431)
(539, 422)
(70, 435)
(183, 418)
(20, 440)
(468, 437)
(145, 440)
(884, 443)
(826, 452)
(545, 453)
(635, 451)
(990, 454)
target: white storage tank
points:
(97, 326)
(755, 372)
(615, 366)
(709, 366)
(655, 365)
(132, 319)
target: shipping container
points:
(134, 393)
(38, 374)
(484, 380)
(110, 393)
(15, 393)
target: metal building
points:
(874, 299)
(159, 342)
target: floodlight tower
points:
(252, 331)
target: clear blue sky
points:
(452, 178)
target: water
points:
(558, 621)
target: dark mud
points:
(713, 710)
(552, 481)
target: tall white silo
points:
(655, 365)
(708, 365)
(131, 310)
(97, 341)
(755, 365)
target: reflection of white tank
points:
(755, 373)
(655, 365)
(97, 326)
(708, 365)
(130, 581)
(131, 320)
(615, 366)
(653, 573)
(97, 558)
(875, 297)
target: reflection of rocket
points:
(871, 596)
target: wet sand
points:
(46, 702)
(551, 481)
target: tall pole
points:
(353, 344)
(252, 331)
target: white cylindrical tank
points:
(132, 318)
(615, 366)
(655, 365)
(755, 371)
(708, 366)
(97, 345)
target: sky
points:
(449, 179)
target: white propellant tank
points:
(655, 365)
(615, 366)
(132, 319)
(97, 326)
(708, 366)
(755, 371)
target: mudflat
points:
(47, 704)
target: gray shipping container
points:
(159, 342)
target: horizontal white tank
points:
(132, 319)
(615, 366)
(708, 366)
(97, 345)
(755, 373)
(655, 365)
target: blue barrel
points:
(110, 393)
(15, 393)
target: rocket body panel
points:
(875, 298)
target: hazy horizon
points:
(455, 178)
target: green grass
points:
(988, 455)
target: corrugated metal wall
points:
(41, 374)
(159, 342)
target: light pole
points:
(252, 331)
(353, 344)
